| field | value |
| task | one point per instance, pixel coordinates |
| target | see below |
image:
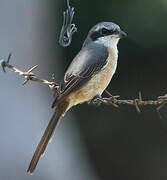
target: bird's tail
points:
(46, 138)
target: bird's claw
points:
(97, 100)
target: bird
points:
(86, 78)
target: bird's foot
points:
(97, 100)
(111, 100)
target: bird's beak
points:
(122, 34)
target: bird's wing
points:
(89, 61)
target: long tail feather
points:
(60, 109)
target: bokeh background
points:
(90, 143)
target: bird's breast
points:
(98, 83)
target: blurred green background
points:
(91, 143)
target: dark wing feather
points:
(89, 61)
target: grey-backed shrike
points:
(88, 75)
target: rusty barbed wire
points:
(160, 102)
(28, 75)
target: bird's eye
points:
(115, 31)
(104, 31)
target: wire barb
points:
(4, 63)
(136, 103)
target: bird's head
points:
(106, 33)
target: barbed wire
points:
(28, 75)
(159, 102)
